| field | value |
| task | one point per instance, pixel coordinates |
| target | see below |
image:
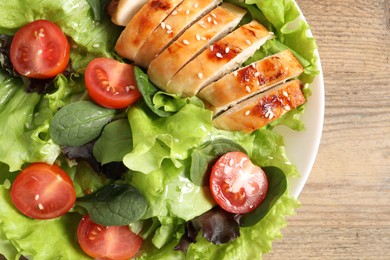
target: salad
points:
(153, 153)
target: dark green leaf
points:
(202, 158)
(145, 227)
(114, 143)
(98, 7)
(115, 205)
(277, 186)
(79, 123)
(148, 90)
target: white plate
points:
(302, 146)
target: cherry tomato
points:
(111, 83)
(107, 242)
(237, 185)
(43, 191)
(40, 50)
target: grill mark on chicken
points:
(250, 80)
(160, 5)
(268, 104)
(262, 109)
(222, 50)
(142, 25)
(250, 31)
(187, 47)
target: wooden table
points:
(345, 212)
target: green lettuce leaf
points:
(291, 32)
(23, 127)
(6, 247)
(156, 139)
(89, 39)
(253, 242)
(41, 239)
(170, 193)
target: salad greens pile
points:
(157, 139)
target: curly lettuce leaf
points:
(170, 193)
(25, 234)
(168, 189)
(89, 39)
(291, 32)
(23, 127)
(6, 247)
(252, 244)
(156, 139)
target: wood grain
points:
(345, 211)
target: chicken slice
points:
(187, 13)
(219, 59)
(193, 41)
(142, 25)
(122, 11)
(250, 80)
(261, 109)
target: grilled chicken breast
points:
(250, 80)
(122, 11)
(142, 25)
(219, 59)
(194, 40)
(261, 109)
(187, 13)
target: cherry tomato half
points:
(107, 242)
(111, 83)
(43, 191)
(40, 50)
(237, 185)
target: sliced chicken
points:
(193, 41)
(122, 11)
(250, 80)
(187, 13)
(142, 25)
(219, 59)
(261, 109)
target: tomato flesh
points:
(237, 185)
(111, 83)
(43, 191)
(107, 242)
(40, 50)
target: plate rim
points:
(314, 112)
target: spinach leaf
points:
(277, 186)
(161, 103)
(114, 205)
(203, 157)
(79, 123)
(98, 7)
(114, 143)
(148, 90)
(145, 227)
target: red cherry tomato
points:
(107, 242)
(237, 185)
(43, 191)
(40, 50)
(111, 83)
